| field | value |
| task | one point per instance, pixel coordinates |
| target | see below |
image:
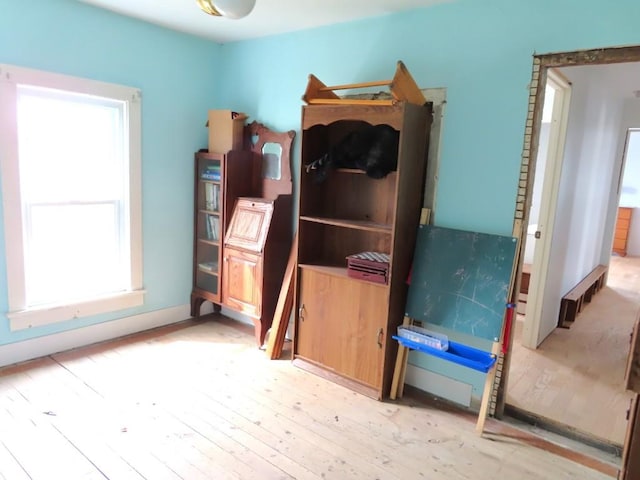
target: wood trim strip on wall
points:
(596, 56)
(521, 214)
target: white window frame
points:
(21, 317)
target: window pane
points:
(73, 253)
(71, 190)
(73, 182)
(70, 146)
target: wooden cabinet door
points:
(242, 281)
(341, 325)
(312, 336)
(363, 332)
(249, 224)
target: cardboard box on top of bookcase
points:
(225, 130)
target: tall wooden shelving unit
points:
(219, 180)
(343, 325)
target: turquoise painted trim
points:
(177, 74)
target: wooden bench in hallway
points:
(573, 302)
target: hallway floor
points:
(575, 378)
(198, 401)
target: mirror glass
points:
(271, 154)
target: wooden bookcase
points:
(219, 180)
(343, 325)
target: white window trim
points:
(19, 316)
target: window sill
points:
(36, 317)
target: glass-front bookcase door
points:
(209, 223)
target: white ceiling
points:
(622, 80)
(267, 18)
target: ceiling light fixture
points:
(227, 8)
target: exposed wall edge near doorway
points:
(499, 430)
(563, 430)
(597, 56)
(606, 467)
(521, 214)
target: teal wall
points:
(479, 50)
(177, 74)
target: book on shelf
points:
(213, 227)
(216, 198)
(209, 196)
(214, 177)
(208, 230)
(211, 172)
(208, 266)
(212, 197)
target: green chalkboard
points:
(460, 280)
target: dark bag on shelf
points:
(373, 149)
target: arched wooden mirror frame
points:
(256, 137)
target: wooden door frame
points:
(541, 64)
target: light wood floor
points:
(575, 378)
(199, 401)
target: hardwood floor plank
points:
(241, 447)
(304, 446)
(10, 468)
(98, 452)
(44, 454)
(203, 445)
(366, 418)
(201, 402)
(335, 428)
(251, 435)
(376, 403)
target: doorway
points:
(588, 195)
(626, 238)
(543, 205)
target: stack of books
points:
(371, 266)
(209, 266)
(212, 197)
(211, 172)
(213, 227)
